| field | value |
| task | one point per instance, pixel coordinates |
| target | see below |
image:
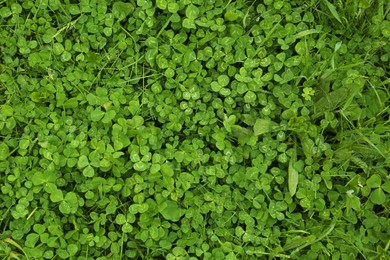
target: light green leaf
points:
(229, 122)
(169, 183)
(230, 16)
(89, 171)
(188, 57)
(167, 170)
(138, 121)
(378, 196)
(97, 114)
(299, 242)
(215, 86)
(161, 61)
(74, 9)
(120, 219)
(66, 56)
(69, 204)
(140, 166)
(189, 24)
(386, 186)
(173, 7)
(56, 195)
(308, 145)
(155, 168)
(353, 202)
(72, 249)
(300, 48)
(108, 116)
(223, 80)
(332, 100)
(152, 42)
(111, 207)
(4, 151)
(71, 103)
(38, 178)
(83, 161)
(192, 12)
(7, 110)
(292, 175)
(374, 181)
(171, 211)
(333, 10)
(250, 97)
(38, 96)
(50, 188)
(120, 9)
(263, 126)
(127, 228)
(134, 107)
(71, 197)
(306, 32)
(65, 208)
(58, 48)
(220, 145)
(5, 12)
(162, 4)
(11, 123)
(24, 143)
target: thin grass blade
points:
(292, 174)
(333, 11)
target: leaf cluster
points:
(194, 129)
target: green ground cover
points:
(191, 129)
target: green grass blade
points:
(306, 32)
(292, 174)
(333, 11)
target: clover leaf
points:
(56, 195)
(378, 196)
(97, 114)
(4, 151)
(170, 210)
(192, 12)
(89, 171)
(69, 204)
(121, 9)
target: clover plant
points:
(189, 129)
